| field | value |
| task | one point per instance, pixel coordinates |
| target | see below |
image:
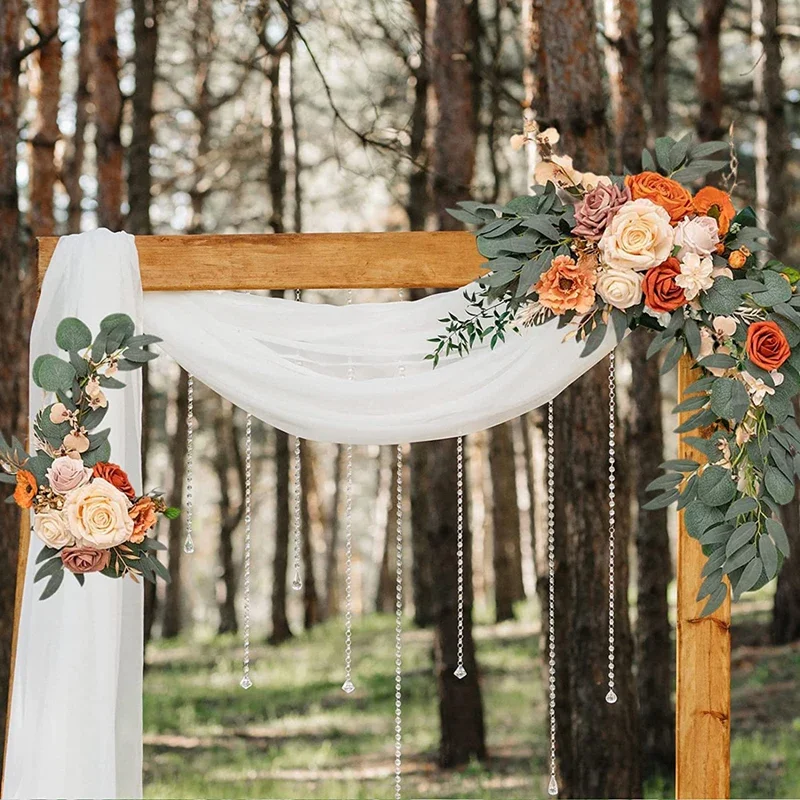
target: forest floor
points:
(295, 734)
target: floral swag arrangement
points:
(643, 251)
(87, 513)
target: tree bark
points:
(709, 79)
(507, 546)
(308, 523)
(72, 168)
(14, 328)
(385, 590)
(173, 597)
(334, 526)
(597, 752)
(659, 67)
(46, 90)
(280, 623)
(101, 18)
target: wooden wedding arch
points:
(446, 260)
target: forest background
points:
(200, 116)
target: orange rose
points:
(767, 346)
(713, 202)
(566, 286)
(665, 192)
(116, 476)
(143, 514)
(661, 293)
(26, 489)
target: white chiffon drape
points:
(353, 374)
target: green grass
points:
(295, 734)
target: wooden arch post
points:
(447, 260)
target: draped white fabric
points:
(353, 374)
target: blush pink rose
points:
(598, 206)
(66, 474)
(81, 560)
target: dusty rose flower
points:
(66, 474)
(594, 212)
(638, 237)
(696, 275)
(81, 560)
(566, 287)
(26, 488)
(76, 442)
(52, 528)
(143, 514)
(98, 515)
(116, 476)
(620, 287)
(698, 235)
(58, 413)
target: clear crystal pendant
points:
(611, 697)
(297, 584)
(460, 672)
(348, 686)
(188, 544)
(245, 682)
(552, 787)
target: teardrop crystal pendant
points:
(552, 787)
(297, 584)
(460, 672)
(245, 682)
(348, 686)
(611, 697)
(188, 544)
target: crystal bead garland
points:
(398, 632)
(348, 685)
(246, 683)
(460, 672)
(552, 786)
(297, 582)
(611, 696)
(188, 506)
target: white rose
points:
(639, 237)
(697, 275)
(52, 528)
(98, 515)
(621, 288)
(698, 235)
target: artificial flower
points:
(713, 202)
(98, 515)
(66, 474)
(566, 287)
(549, 137)
(116, 476)
(698, 235)
(26, 488)
(96, 397)
(58, 413)
(737, 259)
(143, 514)
(725, 326)
(756, 387)
(82, 560)
(661, 292)
(696, 275)
(665, 192)
(594, 212)
(708, 346)
(52, 528)
(767, 346)
(591, 181)
(559, 170)
(619, 286)
(518, 141)
(639, 236)
(76, 442)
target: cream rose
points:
(66, 474)
(53, 529)
(698, 235)
(620, 287)
(639, 236)
(98, 515)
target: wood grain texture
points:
(703, 693)
(417, 259)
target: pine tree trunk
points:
(101, 18)
(46, 90)
(659, 67)
(173, 596)
(385, 591)
(311, 607)
(13, 330)
(334, 526)
(72, 168)
(597, 743)
(709, 78)
(280, 623)
(507, 549)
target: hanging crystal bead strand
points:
(188, 506)
(246, 683)
(460, 672)
(348, 685)
(552, 787)
(398, 632)
(297, 581)
(611, 696)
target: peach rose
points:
(638, 237)
(713, 202)
(81, 560)
(52, 528)
(26, 489)
(98, 515)
(661, 293)
(767, 346)
(665, 192)
(116, 476)
(66, 474)
(566, 287)
(143, 514)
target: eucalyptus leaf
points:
(752, 572)
(769, 556)
(72, 334)
(778, 533)
(52, 585)
(716, 487)
(53, 374)
(779, 486)
(741, 536)
(716, 600)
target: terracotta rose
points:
(665, 192)
(767, 346)
(81, 560)
(143, 514)
(116, 476)
(661, 293)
